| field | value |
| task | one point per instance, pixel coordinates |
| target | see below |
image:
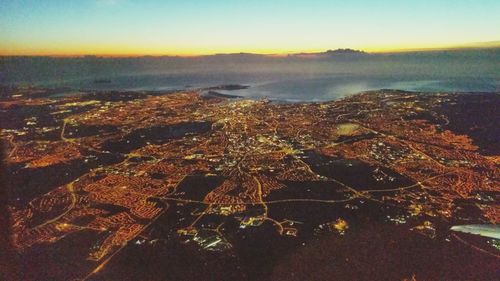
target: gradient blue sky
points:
(124, 27)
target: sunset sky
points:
(164, 27)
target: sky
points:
(188, 27)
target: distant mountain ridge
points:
(344, 51)
(332, 53)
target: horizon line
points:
(473, 46)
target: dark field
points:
(207, 186)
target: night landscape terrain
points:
(202, 185)
(223, 140)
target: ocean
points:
(292, 78)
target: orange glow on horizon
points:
(121, 51)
